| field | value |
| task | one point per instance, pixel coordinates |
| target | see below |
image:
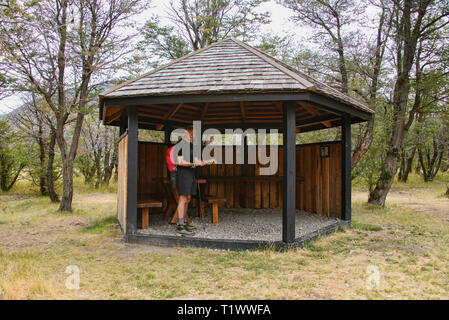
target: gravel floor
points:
(242, 224)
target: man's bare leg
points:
(183, 203)
(181, 206)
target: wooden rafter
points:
(309, 109)
(324, 119)
(172, 111)
(327, 123)
(115, 116)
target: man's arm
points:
(183, 163)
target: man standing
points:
(185, 181)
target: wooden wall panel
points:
(319, 192)
(122, 181)
(152, 167)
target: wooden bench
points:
(214, 201)
(145, 202)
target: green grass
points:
(364, 226)
(102, 225)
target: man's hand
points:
(199, 163)
(210, 161)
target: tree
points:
(415, 21)
(199, 23)
(55, 49)
(328, 18)
(432, 144)
(99, 148)
(346, 60)
(35, 122)
(12, 156)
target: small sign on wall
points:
(324, 151)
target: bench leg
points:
(145, 218)
(214, 213)
(170, 209)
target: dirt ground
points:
(397, 252)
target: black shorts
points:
(185, 181)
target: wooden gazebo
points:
(230, 84)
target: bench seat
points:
(214, 201)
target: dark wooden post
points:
(123, 123)
(167, 133)
(289, 185)
(346, 168)
(131, 216)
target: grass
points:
(102, 225)
(405, 242)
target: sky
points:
(280, 24)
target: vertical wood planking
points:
(318, 185)
(122, 182)
(237, 173)
(229, 171)
(257, 191)
(300, 162)
(337, 181)
(322, 175)
(265, 190)
(325, 177)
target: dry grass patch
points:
(406, 242)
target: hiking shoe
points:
(189, 226)
(182, 231)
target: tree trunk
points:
(389, 167)
(67, 186)
(363, 144)
(110, 164)
(69, 158)
(42, 156)
(406, 165)
(407, 35)
(50, 173)
(98, 168)
(4, 177)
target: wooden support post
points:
(346, 168)
(167, 133)
(289, 168)
(131, 217)
(123, 123)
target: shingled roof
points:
(227, 66)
